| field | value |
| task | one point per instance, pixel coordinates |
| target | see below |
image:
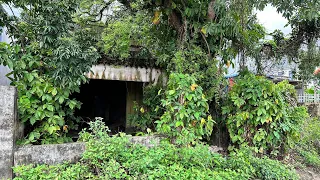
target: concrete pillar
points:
(8, 116)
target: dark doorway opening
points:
(106, 99)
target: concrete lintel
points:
(123, 73)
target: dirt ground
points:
(308, 174)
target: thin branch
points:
(12, 12)
(100, 14)
(205, 40)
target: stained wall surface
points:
(7, 129)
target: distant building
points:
(277, 72)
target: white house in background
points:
(276, 72)
(4, 81)
(282, 70)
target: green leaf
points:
(31, 136)
(181, 115)
(83, 78)
(51, 129)
(38, 114)
(179, 123)
(54, 91)
(50, 107)
(189, 97)
(72, 104)
(234, 138)
(197, 115)
(276, 134)
(171, 92)
(61, 99)
(10, 64)
(31, 63)
(29, 77)
(32, 120)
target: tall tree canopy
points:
(64, 38)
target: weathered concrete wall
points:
(7, 128)
(148, 141)
(70, 152)
(48, 154)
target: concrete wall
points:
(48, 154)
(7, 129)
(70, 152)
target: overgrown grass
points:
(308, 148)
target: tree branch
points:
(205, 40)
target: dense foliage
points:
(188, 37)
(48, 57)
(149, 110)
(42, 105)
(116, 158)
(263, 115)
(185, 119)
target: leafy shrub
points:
(310, 157)
(270, 169)
(43, 107)
(258, 168)
(115, 158)
(62, 171)
(48, 59)
(308, 147)
(310, 134)
(263, 115)
(185, 119)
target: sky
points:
(272, 20)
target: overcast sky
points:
(272, 20)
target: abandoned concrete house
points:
(113, 91)
(110, 94)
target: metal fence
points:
(308, 98)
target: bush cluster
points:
(185, 119)
(263, 115)
(116, 158)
